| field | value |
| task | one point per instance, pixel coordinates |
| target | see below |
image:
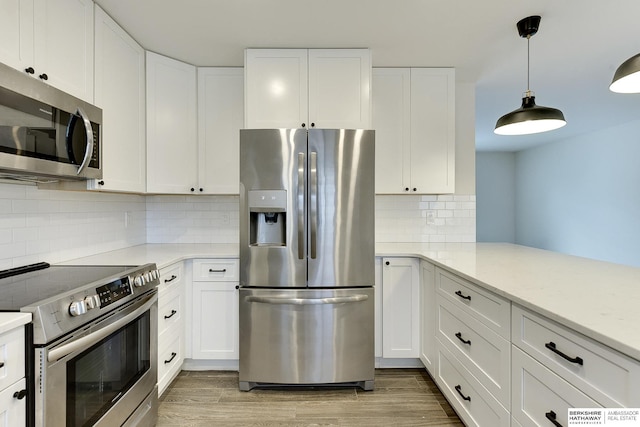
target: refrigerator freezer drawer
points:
(306, 337)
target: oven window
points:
(99, 376)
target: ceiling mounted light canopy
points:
(627, 76)
(529, 118)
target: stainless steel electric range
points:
(92, 344)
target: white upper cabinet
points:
(52, 40)
(220, 118)
(120, 92)
(292, 88)
(414, 119)
(172, 144)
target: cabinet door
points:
(339, 88)
(400, 308)
(16, 33)
(172, 164)
(215, 320)
(220, 118)
(428, 313)
(276, 94)
(392, 122)
(432, 130)
(64, 45)
(13, 412)
(119, 91)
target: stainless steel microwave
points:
(46, 134)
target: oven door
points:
(103, 373)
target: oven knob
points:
(155, 274)
(92, 301)
(138, 281)
(77, 308)
(148, 277)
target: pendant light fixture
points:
(627, 76)
(529, 118)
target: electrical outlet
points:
(431, 217)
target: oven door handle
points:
(96, 336)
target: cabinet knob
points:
(406, 188)
(201, 190)
(304, 125)
(313, 125)
(20, 394)
(101, 182)
(29, 70)
(415, 189)
(43, 76)
(386, 263)
(193, 189)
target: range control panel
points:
(112, 292)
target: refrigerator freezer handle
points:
(307, 301)
(301, 205)
(313, 202)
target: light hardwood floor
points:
(402, 397)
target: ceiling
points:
(573, 57)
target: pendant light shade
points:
(627, 76)
(529, 118)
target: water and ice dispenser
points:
(267, 217)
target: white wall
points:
(495, 195)
(581, 196)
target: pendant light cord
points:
(528, 66)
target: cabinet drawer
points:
(170, 312)
(11, 357)
(471, 401)
(481, 350)
(219, 270)
(170, 357)
(609, 377)
(490, 309)
(13, 412)
(539, 395)
(170, 276)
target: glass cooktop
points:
(47, 281)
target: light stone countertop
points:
(598, 299)
(9, 321)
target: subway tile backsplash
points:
(54, 226)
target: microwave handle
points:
(94, 337)
(89, 133)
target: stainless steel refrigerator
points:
(307, 255)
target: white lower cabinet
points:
(214, 318)
(606, 376)
(400, 308)
(171, 324)
(13, 403)
(428, 316)
(471, 401)
(541, 397)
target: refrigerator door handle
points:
(307, 301)
(313, 202)
(301, 185)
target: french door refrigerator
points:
(306, 299)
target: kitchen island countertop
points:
(598, 299)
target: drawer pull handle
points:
(459, 390)
(459, 293)
(173, 312)
(552, 346)
(551, 416)
(459, 336)
(211, 270)
(173, 356)
(20, 394)
(171, 279)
